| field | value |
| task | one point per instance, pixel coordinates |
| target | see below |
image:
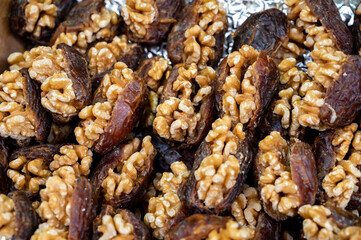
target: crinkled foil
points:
(238, 11)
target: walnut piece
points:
(101, 26)
(200, 43)
(176, 117)
(16, 120)
(7, 217)
(238, 101)
(218, 172)
(277, 186)
(156, 72)
(96, 117)
(56, 197)
(78, 157)
(45, 231)
(123, 179)
(233, 231)
(138, 15)
(39, 15)
(245, 209)
(104, 55)
(165, 206)
(115, 227)
(28, 175)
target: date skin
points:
(166, 13)
(126, 113)
(26, 219)
(43, 151)
(267, 228)
(33, 103)
(327, 12)
(206, 110)
(18, 20)
(343, 97)
(111, 161)
(82, 210)
(188, 18)
(78, 73)
(301, 162)
(190, 196)
(266, 80)
(144, 68)
(265, 31)
(4, 157)
(196, 227)
(79, 17)
(140, 231)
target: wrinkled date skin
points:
(78, 73)
(267, 228)
(82, 210)
(26, 219)
(78, 17)
(111, 161)
(343, 97)
(166, 13)
(265, 31)
(327, 12)
(244, 155)
(140, 231)
(266, 79)
(188, 18)
(302, 165)
(18, 20)
(206, 110)
(356, 33)
(32, 95)
(4, 157)
(343, 218)
(196, 227)
(43, 151)
(126, 114)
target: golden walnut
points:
(115, 227)
(233, 231)
(7, 217)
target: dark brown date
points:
(265, 31)
(32, 95)
(143, 70)
(187, 19)
(267, 228)
(82, 210)
(165, 14)
(343, 97)
(126, 114)
(327, 12)
(111, 161)
(140, 231)
(266, 79)
(79, 17)
(43, 151)
(26, 219)
(356, 32)
(343, 218)
(190, 196)
(18, 20)
(301, 163)
(78, 73)
(4, 157)
(197, 226)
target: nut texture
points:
(232, 230)
(7, 217)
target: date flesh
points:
(265, 31)
(4, 158)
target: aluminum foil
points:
(238, 11)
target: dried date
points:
(343, 102)
(265, 31)
(124, 221)
(121, 178)
(267, 227)
(197, 226)
(150, 22)
(37, 20)
(293, 168)
(4, 158)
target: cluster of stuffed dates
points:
(99, 141)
